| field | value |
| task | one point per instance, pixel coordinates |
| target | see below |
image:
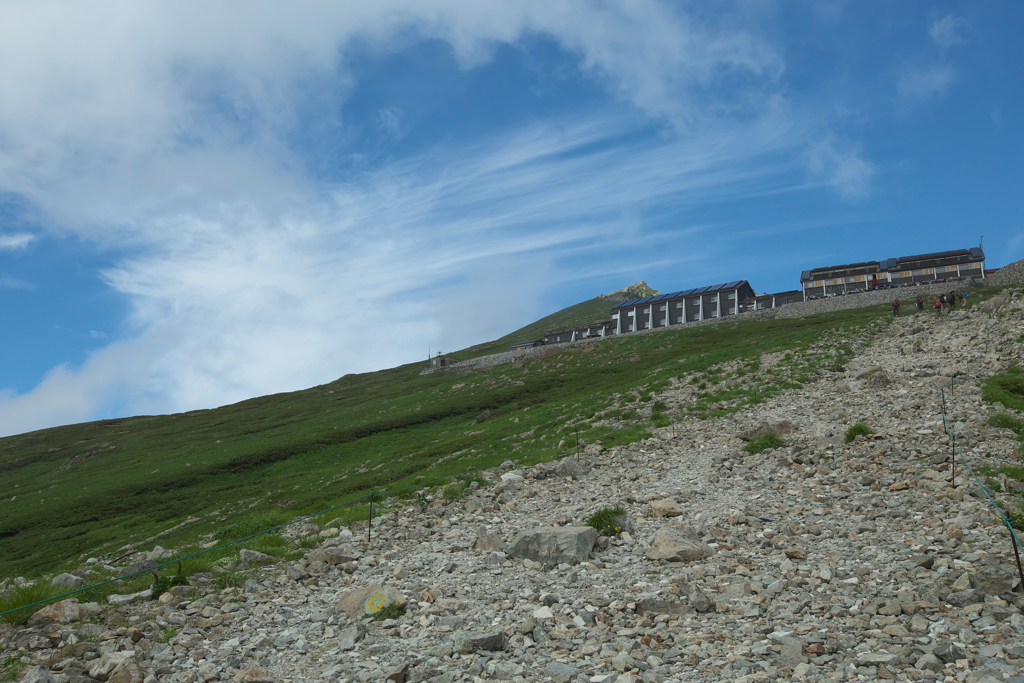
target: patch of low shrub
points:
(1016, 519)
(859, 429)
(604, 521)
(22, 596)
(763, 443)
(1005, 421)
(1007, 389)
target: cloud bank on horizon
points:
(204, 203)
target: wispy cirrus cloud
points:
(948, 31)
(925, 83)
(16, 241)
(843, 166)
(236, 299)
(164, 137)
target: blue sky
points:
(200, 203)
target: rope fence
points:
(1015, 541)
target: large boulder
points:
(488, 540)
(572, 467)
(254, 674)
(555, 545)
(369, 600)
(965, 597)
(57, 613)
(104, 666)
(340, 555)
(490, 642)
(876, 377)
(37, 674)
(995, 580)
(678, 544)
(127, 672)
(253, 556)
(67, 581)
(350, 637)
(665, 507)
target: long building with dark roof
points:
(893, 272)
(675, 308)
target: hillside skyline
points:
(203, 205)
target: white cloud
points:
(161, 129)
(389, 121)
(8, 282)
(16, 241)
(242, 300)
(947, 31)
(923, 84)
(843, 167)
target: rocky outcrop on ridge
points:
(818, 561)
(1010, 274)
(637, 291)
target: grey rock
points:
(490, 642)
(698, 599)
(656, 606)
(994, 580)
(678, 544)
(351, 636)
(136, 567)
(560, 672)
(949, 652)
(37, 674)
(369, 600)
(929, 662)
(488, 540)
(340, 555)
(252, 556)
(555, 545)
(967, 597)
(398, 674)
(623, 662)
(68, 581)
(573, 467)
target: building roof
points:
(682, 294)
(845, 269)
(929, 260)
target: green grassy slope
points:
(584, 313)
(75, 489)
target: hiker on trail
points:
(938, 306)
(951, 298)
(963, 299)
(896, 308)
(920, 304)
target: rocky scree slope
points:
(818, 561)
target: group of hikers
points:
(941, 301)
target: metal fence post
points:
(369, 522)
(1016, 553)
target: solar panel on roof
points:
(733, 285)
(701, 290)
